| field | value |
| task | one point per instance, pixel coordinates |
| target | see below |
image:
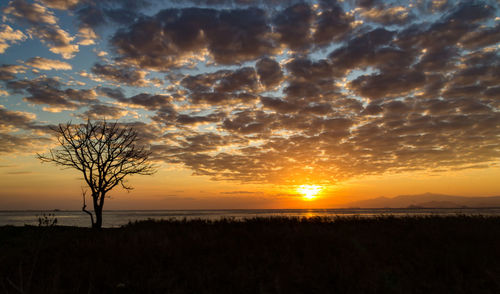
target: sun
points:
(309, 192)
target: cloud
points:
(48, 64)
(47, 91)
(373, 48)
(95, 14)
(366, 3)
(60, 4)
(481, 38)
(395, 15)
(293, 25)
(143, 100)
(291, 93)
(249, 122)
(102, 111)
(15, 119)
(384, 100)
(311, 81)
(9, 36)
(177, 37)
(278, 104)
(333, 24)
(390, 84)
(8, 71)
(396, 146)
(448, 30)
(270, 73)
(21, 143)
(19, 132)
(58, 40)
(101, 53)
(87, 36)
(43, 25)
(184, 119)
(224, 86)
(118, 74)
(440, 60)
(471, 11)
(31, 12)
(174, 36)
(241, 192)
(148, 101)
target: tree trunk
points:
(98, 218)
(98, 203)
(84, 208)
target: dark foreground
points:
(274, 255)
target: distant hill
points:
(427, 200)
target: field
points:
(458, 254)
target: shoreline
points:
(263, 209)
(117, 218)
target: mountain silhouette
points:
(427, 200)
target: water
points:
(116, 218)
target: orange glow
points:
(27, 184)
(309, 192)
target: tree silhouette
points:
(105, 153)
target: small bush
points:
(47, 220)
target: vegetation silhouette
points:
(453, 254)
(105, 153)
(47, 219)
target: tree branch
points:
(105, 154)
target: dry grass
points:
(457, 254)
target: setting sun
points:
(309, 192)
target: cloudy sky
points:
(243, 101)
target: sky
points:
(255, 104)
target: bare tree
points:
(105, 153)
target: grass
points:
(458, 254)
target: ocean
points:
(117, 218)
